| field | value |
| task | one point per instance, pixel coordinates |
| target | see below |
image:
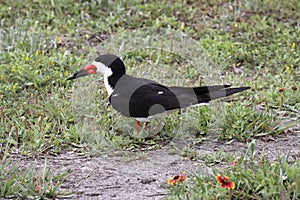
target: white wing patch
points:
(160, 92)
(115, 95)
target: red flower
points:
(281, 90)
(224, 182)
(294, 88)
(176, 179)
(38, 188)
(233, 163)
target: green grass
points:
(28, 182)
(253, 43)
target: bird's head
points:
(106, 64)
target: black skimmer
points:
(142, 98)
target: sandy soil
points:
(143, 175)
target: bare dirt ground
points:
(143, 175)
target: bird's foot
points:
(138, 126)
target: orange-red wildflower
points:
(176, 179)
(281, 90)
(294, 88)
(38, 188)
(224, 182)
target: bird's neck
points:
(111, 81)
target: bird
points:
(144, 99)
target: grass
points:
(31, 183)
(250, 43)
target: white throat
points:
(109, 89)
(106, 71)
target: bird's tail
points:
(207, 93)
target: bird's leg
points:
(138, 126)
(146, 126)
